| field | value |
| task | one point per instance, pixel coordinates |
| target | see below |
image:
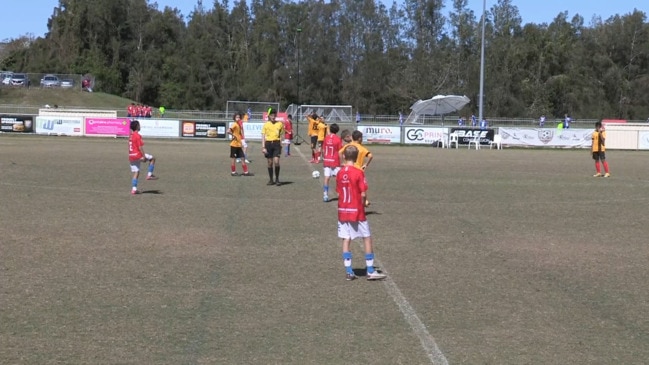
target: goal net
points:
(340, 114)
(251, 110)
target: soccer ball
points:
(315, 174)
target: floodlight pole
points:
(299, 116)
(481, 96)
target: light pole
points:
(481, 96)
(299, 116)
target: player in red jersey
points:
(352, 222)
(331, 158)
(136, 155)
(288, 134)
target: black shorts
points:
(314, 142)
(273, 149)
(236, 152)
(599, 156)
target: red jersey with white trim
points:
(134, 144)
(350, 183)
(330, 147)
(288, 129)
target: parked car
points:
(19, 80)
(50, 81)
(5, 77)
(67, 83)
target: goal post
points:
(339, 114)
(251, 110)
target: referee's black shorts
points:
(273, 149)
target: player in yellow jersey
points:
(313, 134)
(364, 155)
(236, 146)
(599, 150)
(271, 135)
(321, 127)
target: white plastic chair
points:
(453, 138)
(475, 140)
(497, 142)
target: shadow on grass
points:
(155, 192)
(363, 272)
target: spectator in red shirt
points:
(352, 222)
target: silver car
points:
(19, 80)
(50, 81)
(67, 83)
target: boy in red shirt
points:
(331, 158)
(136, 155)
(352, 222)
(288, 134)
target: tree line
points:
(378, 58)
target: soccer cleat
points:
(234, 173)
(152, 177)
(597, 175)
(277, 182)
(247, 174)
(607, 175)
(135, 192)
(350, 277)
(376, 276)
(325, 198)
(247, 161)
(270, 182)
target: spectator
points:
(484, 124)
(542, 121)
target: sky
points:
(37, 12)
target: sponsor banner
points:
(252, 131)
(465, 135)
(203, 129)
(159, 127)
(70, 126)
(280, 116)
(16, 123)
(643, 140)
(423, 135)
(107, 126)
(380, 134)
(541, 137)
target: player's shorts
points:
(273, 149)
(599, 156)
(314, 141)
(135, 165)
(244, 144)
(353, 230)
(331, 171)
(236, 152)
(286, 141)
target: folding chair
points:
(475, 140)
(497, 142)
(453, 138)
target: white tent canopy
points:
(437, 105)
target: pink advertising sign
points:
(107, 126)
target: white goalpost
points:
(340, 114)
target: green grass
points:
(35, 97)
(507, 257)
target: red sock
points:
(233, 167)
(597, 167)
(245, 168)
(605, 166)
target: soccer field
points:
(493, 257)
